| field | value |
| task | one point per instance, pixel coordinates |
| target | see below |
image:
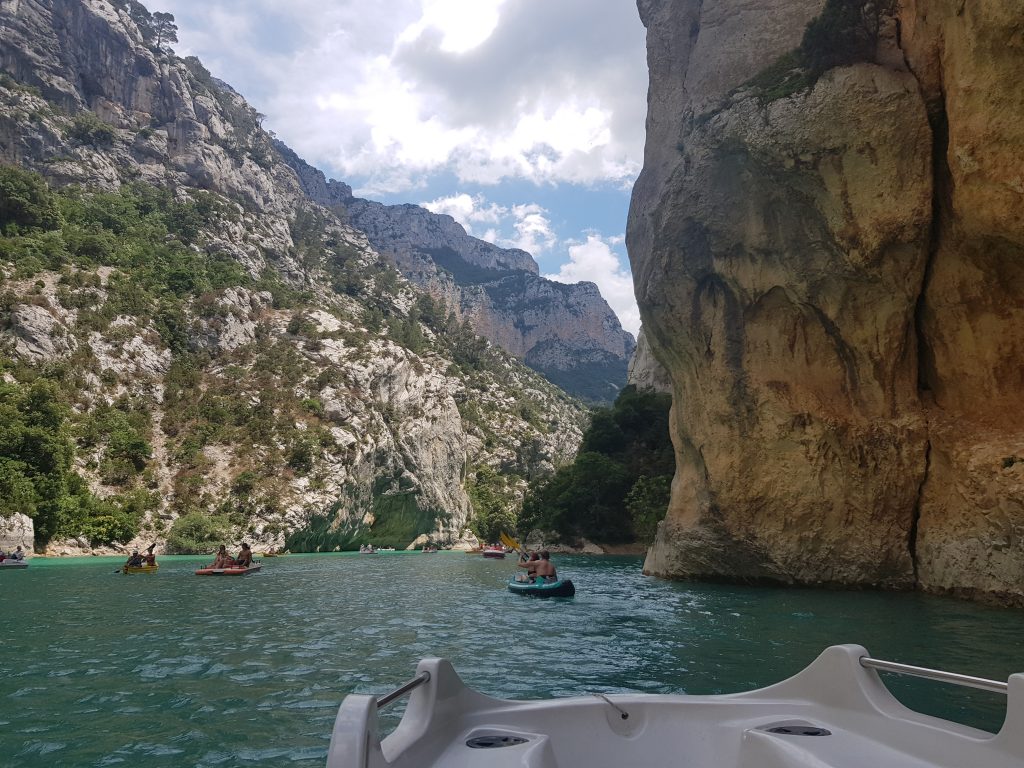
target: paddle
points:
(508, 541)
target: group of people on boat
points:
(138, 560)
(18, 554)
(223, 560)
(539, 568)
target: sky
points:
(522, 119)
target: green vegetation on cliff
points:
(846, 32)
(617, 489)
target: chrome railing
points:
(934, 674)
(400, 691)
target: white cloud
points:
(525, 226)
(487, 90)
(594, 260)
(463, 26)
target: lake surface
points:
(99, 669)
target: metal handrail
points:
(935, 674)
(388, 698)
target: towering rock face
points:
(566, 332)
(836, 291)
(968, 58)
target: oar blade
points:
(508, 541)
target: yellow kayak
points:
(139, 569)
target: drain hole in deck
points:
(495, 741)
(800, 730)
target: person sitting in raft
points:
(222, 559)
(17, 554)
(530, 564)
(149, 557)
(545, 570)
(244, 559)
(134, 560)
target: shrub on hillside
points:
(26, 202)
(89, 129)
(196, 533)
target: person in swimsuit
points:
(244, 559)
(545, 571)
(530, 564)
(221, 559)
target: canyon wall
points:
(832, 276)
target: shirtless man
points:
(545, 570)
(244, 558)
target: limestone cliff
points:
(566, 332)
(833, 277)
(266, 362)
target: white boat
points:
(836, 713)
(11, 563)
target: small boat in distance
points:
(126, 569)
(233, 570)
(367, 549)
(498, 553)
(836, 713)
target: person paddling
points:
(530, 564)
(545, 570)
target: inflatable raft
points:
(139, 569)
(228, 571)
(497, 554)
(13, 564)
(560, 588)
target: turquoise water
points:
(169, 669)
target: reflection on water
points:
(102, 669)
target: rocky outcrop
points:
(835, 290)
(565, 331)
(645, 372)
(17, 531)
(38, 334)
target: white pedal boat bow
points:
(836, 713)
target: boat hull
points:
(560, 588)
(140, 569)
(494, 554)
(836, 713)
(13, 565)
(229, 571)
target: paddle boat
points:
(559, 588)
(498, 553)
(235, 570)
(126, 569)
(836, 713)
